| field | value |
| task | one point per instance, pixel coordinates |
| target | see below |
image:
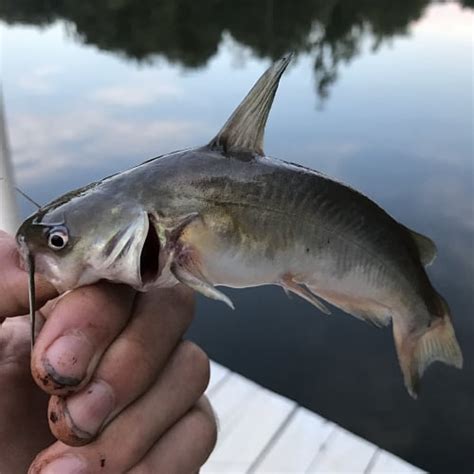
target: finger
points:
(130, 436)
(185, 447)
(78, 330)
(22, 404)
(14, 282)
(128, 368)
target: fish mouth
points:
(131, 255)
(149, 265)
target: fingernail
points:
(68, 358)
(65, 465)
(89, 409)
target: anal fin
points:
(289, 285)
(367, 317)
(362, 308)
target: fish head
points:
(80, 240)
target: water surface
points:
(379, 96)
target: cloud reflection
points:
(135, 95)
(53, 145)
(39, 80)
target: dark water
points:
(380, 96)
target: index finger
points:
(14, 282)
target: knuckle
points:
(197, 363)
(136, 347)
(186, 296)
(180, 301)
(208, 429)
(37, 464)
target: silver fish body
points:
(226, 214)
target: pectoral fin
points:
(193, 278)
(173, 227)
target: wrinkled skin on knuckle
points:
(140, 356)
(137, 364)
(42, 459)
(37, 464)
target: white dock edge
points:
(263, 432)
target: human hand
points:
(126, 392)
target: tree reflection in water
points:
(189, 32)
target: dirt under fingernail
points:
(89, 408)
(67, 359)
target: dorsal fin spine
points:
(244, 130)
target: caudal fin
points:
(417, 351)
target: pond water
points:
(379, 96)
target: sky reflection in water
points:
(396, 124)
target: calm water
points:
(380, 96)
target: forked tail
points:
(419, 349)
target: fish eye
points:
(58, 238)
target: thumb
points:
(14, 282)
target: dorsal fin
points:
(244, 130)
(426, 247)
